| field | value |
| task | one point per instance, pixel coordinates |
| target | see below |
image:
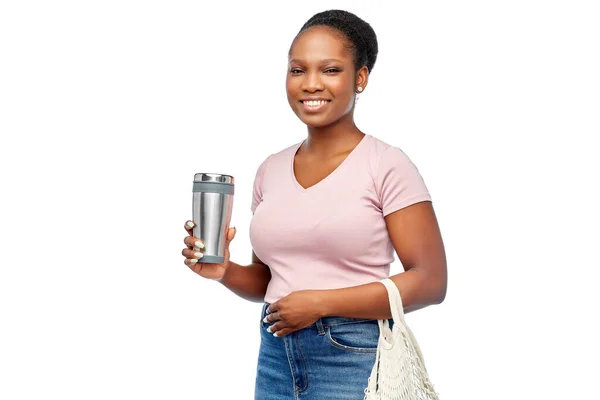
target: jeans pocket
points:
(262, 315)
(359, 337)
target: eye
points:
(295, 71)
(332, 70)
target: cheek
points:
(290, 91)
(292, 84)
(344, 94)
(341, 87)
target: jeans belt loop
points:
(320, 327)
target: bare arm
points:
(416, 237)
(250, 281)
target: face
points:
(321, 80)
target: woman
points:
(327, 215)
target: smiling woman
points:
(329, 61)
(328, 214)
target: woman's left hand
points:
(293, 312)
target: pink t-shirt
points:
(332, 234)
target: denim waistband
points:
(325, 322)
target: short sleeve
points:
(399, 183)
(257, 191)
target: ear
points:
(362, 78)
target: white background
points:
(107, 109)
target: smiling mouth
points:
(314, 105)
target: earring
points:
(360, 89)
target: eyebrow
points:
(323, 61)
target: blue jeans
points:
(328, 360)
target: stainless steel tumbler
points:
(211, 212)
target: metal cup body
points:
(212, 207)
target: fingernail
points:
(190, 224)
(198, 255)
(265, 320)
(275, 334)
(269, 330)
(193, 260)
(199, 244)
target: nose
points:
(312, 82)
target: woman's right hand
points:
(193, 254)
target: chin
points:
(316, 123)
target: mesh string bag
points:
(399, 371)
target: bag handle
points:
(398, 315)
(395, 301)
(404, 335)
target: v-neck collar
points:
(328, 177)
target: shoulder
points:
(378, 147)
(383, 155)
(277, 161)
(398, 182)
(279, 157)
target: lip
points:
(314, 98)
(308, 109)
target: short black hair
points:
(360, 35)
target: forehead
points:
(319, 43)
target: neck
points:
(333, 139)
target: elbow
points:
(440, 292)
(435, 286)
(433, 291)
(440, 284)
(440, 296)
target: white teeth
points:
(315, 103)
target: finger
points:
(272, 308)
(191, 242)
(283, 332)
(276, 327)
(274, 317)
(189, 226)
(193, 265)
(230, 235)
(192, 254)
